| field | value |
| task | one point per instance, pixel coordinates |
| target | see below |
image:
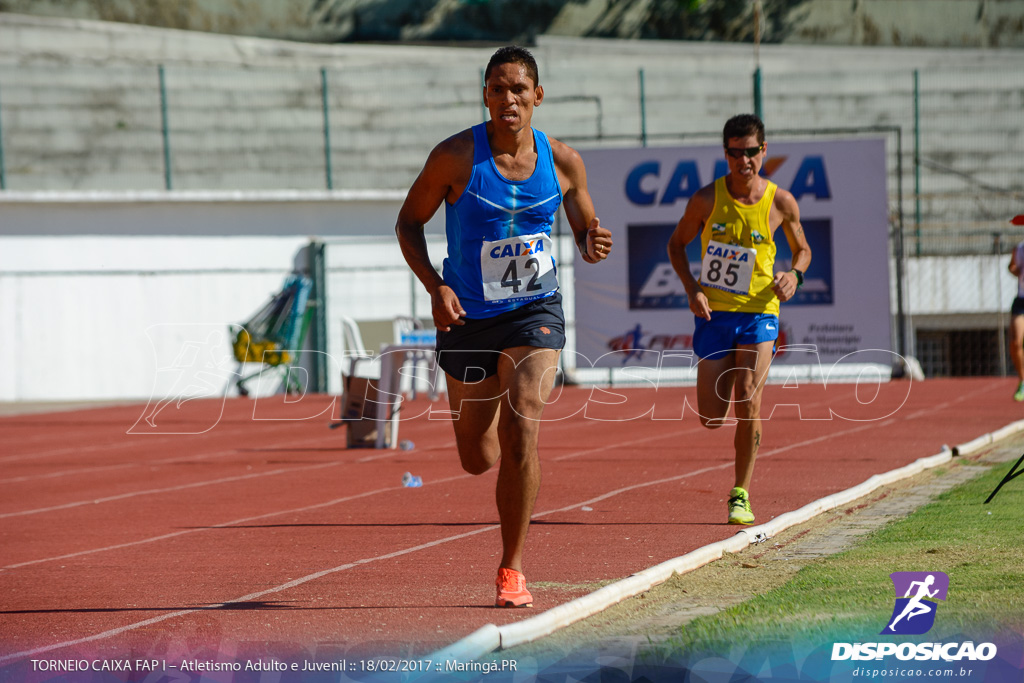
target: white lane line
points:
(431, 544)
(177, 459)
(144, 443)
(243, 520)
(189, 459)
(388, 454)
(67, 473)
(326, 572)
(169, 489)
(245, 598)
(635, 442)
(224, 525)
(710, 468)
(608, 447)
(134, 441)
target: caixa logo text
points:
(650, 183)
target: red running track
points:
(240, 529)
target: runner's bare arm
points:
(443, 177)
(786, 283)
(687, 229)
(594, 242)
(1014, 266)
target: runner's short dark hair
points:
(513, 54)
(742, 125)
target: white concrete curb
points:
(478, 643)
(987, 439)
(490, 637)
(563, 615)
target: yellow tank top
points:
(746, 226)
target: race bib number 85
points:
(518, 268)
(728, 267)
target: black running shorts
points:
(470, 352)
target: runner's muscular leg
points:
(1017, 345)
(752, 363)
(527, 374)
(715, 380)
(475, 407)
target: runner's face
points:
(745, 167)
(510, 96)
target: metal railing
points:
(190, 127)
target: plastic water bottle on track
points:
(410, 481)
(406, 445)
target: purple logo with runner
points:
(916, 595)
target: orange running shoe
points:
(512, 589)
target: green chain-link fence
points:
(955, 140)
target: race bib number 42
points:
(728, 267)
(520, 267)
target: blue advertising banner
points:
(635, 301)
(653, 284)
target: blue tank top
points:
(500, 254)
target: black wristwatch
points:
(799, 277)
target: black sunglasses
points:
(737, 152)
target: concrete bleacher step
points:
(261, 116)
(42, 120)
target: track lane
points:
(671, 497)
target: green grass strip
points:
(980, 547)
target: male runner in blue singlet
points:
(496, 304)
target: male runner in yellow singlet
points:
(736, 300)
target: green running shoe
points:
(1019, 396)
(739, 507)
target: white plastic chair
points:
(403, 325)
(359, 364)
(356, 361)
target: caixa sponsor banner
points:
(633, 344)
(640, 195)
(637, 339)
(653, 284)
(947, 652)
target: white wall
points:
(130, 296)
(940, 285)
